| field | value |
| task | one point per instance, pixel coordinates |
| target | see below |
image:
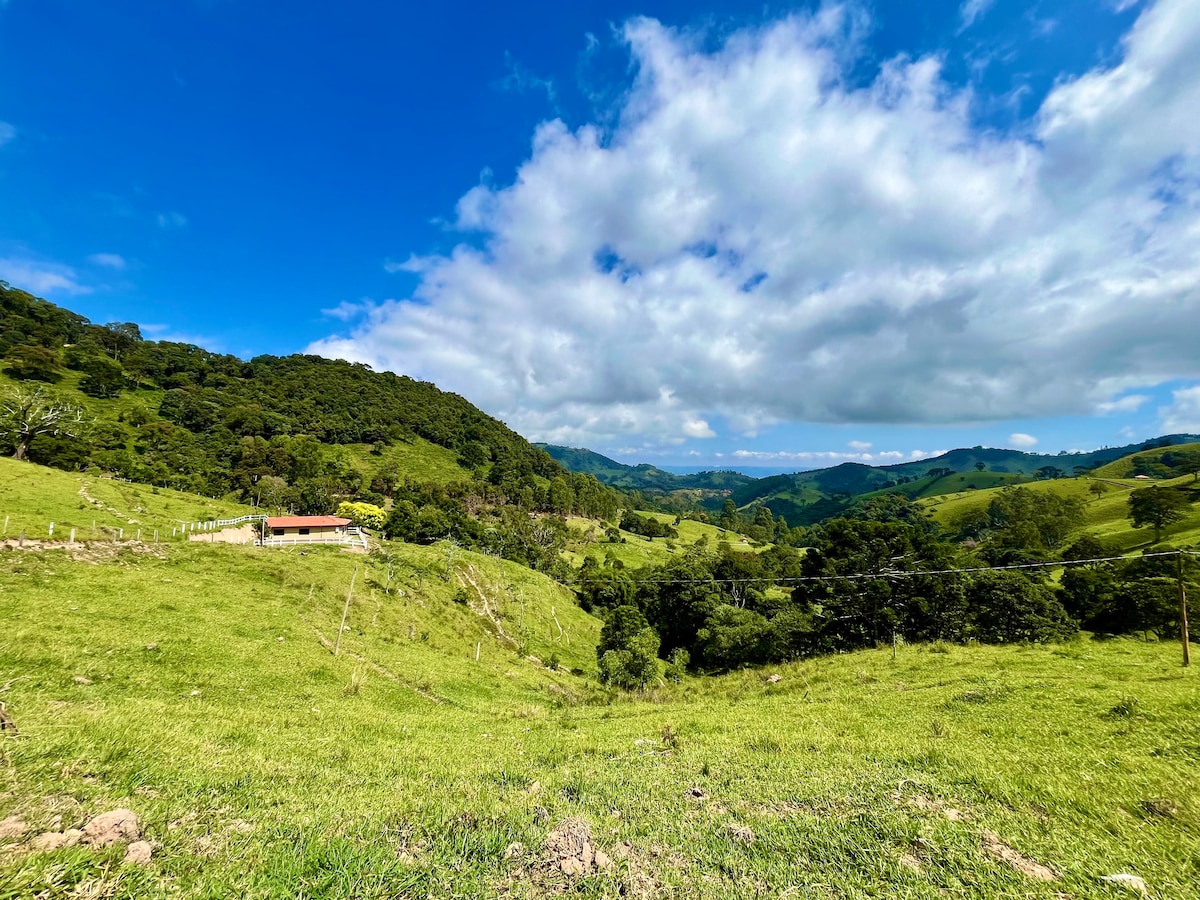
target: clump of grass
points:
(355, 685)
(765, 743)
(989, 694)
(939, 647)
(1126, 708)
(670, 739)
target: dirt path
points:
(468, 577)
(88, 498)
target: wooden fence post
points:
(1183, 620)
(345, 609)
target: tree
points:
(33, 363)
(980, 466)
(729, 519)
(1158, 507)
(1008, 607)
(1187, 462)
(102, 377)
(628, 649)
(365, 515)
(26, 414)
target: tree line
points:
(882, 572)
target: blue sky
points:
(724, 233)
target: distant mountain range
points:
(810, 496)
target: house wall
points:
(331, 533)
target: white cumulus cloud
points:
(41, 278)
(1021, 440)
(698, 428)
(762, 238)
(1183, 415)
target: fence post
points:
(1183, 622)
(6, 525)
(72, 538)
(345, 609)
(51, 529)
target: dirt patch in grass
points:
(997, 849)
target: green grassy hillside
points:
(1106, 510)
(1126, 466)
(32, 496)
(635, 550)
(199, 690)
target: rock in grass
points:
(121, 826)
(139, 853)
(1134, 882)
(12, 827)
(56, 840)
(569, 848)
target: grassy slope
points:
(417, 460)
(638, 551)
(32, 496)
(1106, 515)
(1123, 467)
(292, 773)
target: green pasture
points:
(199, 689)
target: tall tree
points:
(1158, 507)
(26, 414)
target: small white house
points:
(306, 530)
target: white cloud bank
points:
(757, 239)
(1022, 441)
(1183, 415)
(41, 278)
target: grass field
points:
(31, 497)
(637, 550)
(1123, 467)
(1105, 514)
(417, 460)
(198, 689)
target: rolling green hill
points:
(642, 477)
(199, 690)
(1106, 509)
(805, 498)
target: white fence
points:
(354, 537)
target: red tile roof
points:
(305, 522)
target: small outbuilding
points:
(305, 530)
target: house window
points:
(277, 532)
(304, 531)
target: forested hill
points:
(177, 415)
(642, 477)
(805, 498)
